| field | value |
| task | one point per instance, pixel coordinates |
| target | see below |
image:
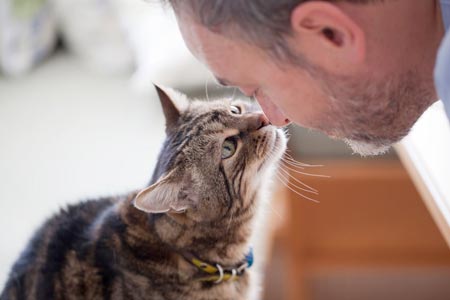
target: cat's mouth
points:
(273, 145)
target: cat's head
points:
(216, 156)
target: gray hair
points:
(265, 23)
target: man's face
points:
(364, 110)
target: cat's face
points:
(215, 158)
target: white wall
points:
(67, 134)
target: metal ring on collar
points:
(219, 267)
(233, 274)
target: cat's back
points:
(66, 233)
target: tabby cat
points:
(186, 236)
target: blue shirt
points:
(442, 68)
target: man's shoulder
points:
(442, 73)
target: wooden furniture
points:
(371, 223)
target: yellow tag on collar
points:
(217, 273)
(214, 278)
(204, 266)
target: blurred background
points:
(79, 119)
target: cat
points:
(186, 236)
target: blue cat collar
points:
(249, 258)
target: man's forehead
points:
(203, 43)
(232, 61)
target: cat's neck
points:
(219, 242)
(225, 242)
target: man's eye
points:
(235, 110)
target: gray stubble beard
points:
(374, 115)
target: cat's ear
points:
(173, 104)
(164, 196)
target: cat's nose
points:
(258, 121)
(264, 121)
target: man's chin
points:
(367, 149)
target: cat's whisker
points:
(294, 164)
(272, 153)
(296, 192)
(286, 132)
(289, 176)
(300, 194)
(234, 94)
(286, 157)
(273, 210)
(291, 164)
(305, 188)
(308, 188)
(206, 90)
(298, 164)
(293, 160)
(285, 179)
(307, 174)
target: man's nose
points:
(274, 114)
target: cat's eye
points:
(229, 147)
(235, 109)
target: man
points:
(358, 70)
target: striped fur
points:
(110, 249)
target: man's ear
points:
(167, 195)
(173, 104)
(327, 35)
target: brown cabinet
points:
(370, 237)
